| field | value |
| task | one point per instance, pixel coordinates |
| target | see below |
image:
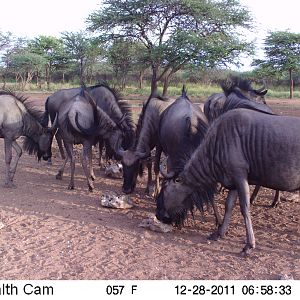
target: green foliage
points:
(81, 49)
(175, 32)
(282, 49)
(5, 39)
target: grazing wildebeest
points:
(19, 118)
(81, 121)
(108, 100)
(147, 140)
(218, 104)
(182, 128)
(241, 147)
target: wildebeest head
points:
(42, 146)
(173, 202)
(45, 140)
(244, 86)
(131, 162)
(44, 143)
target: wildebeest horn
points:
(263, 88)
(54, 125)
(168, 175)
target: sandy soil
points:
(49, 232)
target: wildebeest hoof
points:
(10, 185)
(59, 176)
(214, 236)
(71, 187)
(247, 250)
(91, 188)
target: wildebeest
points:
(244, 97)
(182, 128)
(218, 103)
(147, 140)
(81, 121)
(242, 147)
(19, 118)
(107, 99)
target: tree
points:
(81, 49)
(51, 48)
(124, 57)
(5, 39)
(24, 64)
(282, 51)
(175, 32)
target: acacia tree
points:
(5, 40)
(24, 65)
(126, 56)
(51, 48)
(175, 32)
(81, 49)
(282, 51)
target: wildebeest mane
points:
(123, 105)
(237, 100)
(30, 108)
(234, 84)
(142, 114)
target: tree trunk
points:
(4, 82)
(47, 75)
(166, 85)
(81, 72)
(141, 79)
(291, 84)
(154, 87)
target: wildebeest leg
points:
(60, 172)
(13, 168)
(244, 197)
(85, 158)
(229, 204)
(8, 158)
(276, 200)
(60, 144)
(91, 170)
(149, 168)
(254, 194)
(70, 153)
(156, 170)
(101, 145)
(216, 213)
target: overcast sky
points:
(31, 18)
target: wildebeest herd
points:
(236, 141)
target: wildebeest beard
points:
(32, 148)
(177, 215)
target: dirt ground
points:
(49, 232)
